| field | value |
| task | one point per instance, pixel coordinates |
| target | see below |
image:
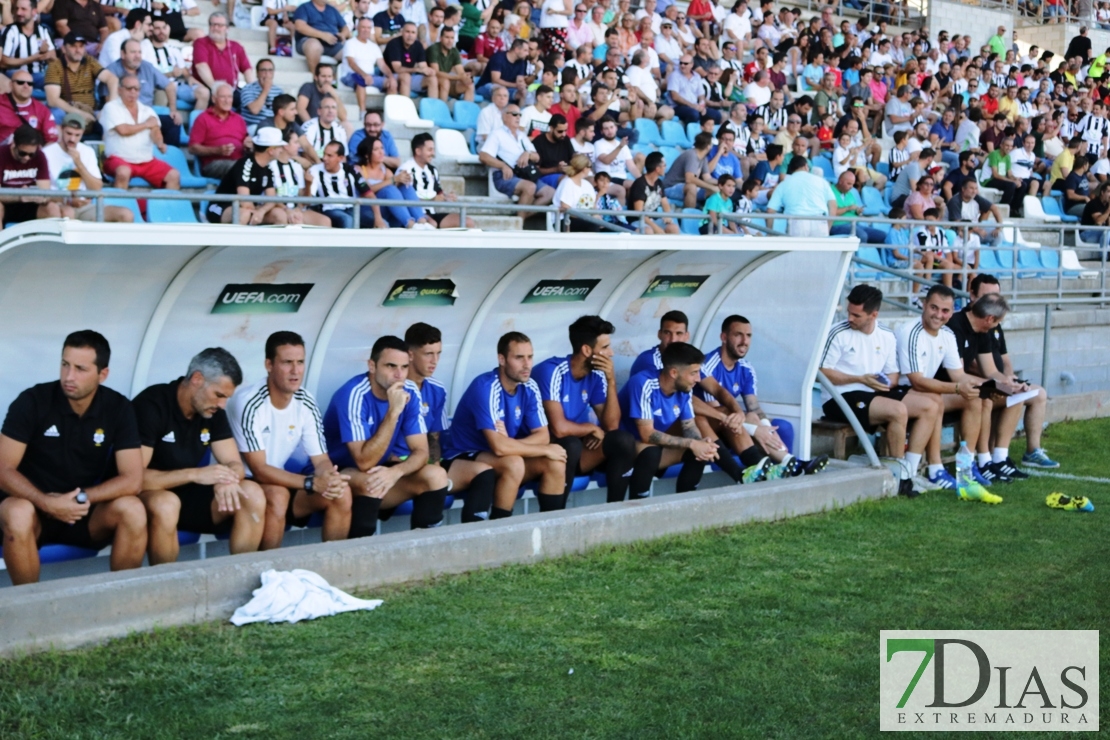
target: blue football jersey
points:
(649, 359)
(433, 405)
(641, 398)
(739, 381)
(484, 404)
(355, 414)
(577, 396)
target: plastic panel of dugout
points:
(158, 302)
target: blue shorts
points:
(503, 186)
(335, 50)
(354, 80)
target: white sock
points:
(984, 458)
(999, 454)
(935, 469)
(913, 460)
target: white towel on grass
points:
(293, 595)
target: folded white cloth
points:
(290, 596)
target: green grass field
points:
(765, 630)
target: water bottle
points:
(964, 461)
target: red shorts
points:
(154, 171)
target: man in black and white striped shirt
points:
(275, 421)
(774, 113)
(1094, 128)
(27, 44)
(323, 130)
(334, 178)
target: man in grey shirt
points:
(899, 112)
(907, 179)
(689, 179)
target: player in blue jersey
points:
(574, 385)
(469, 479)
(657, 407)
(500, 421)
(376, 435)
(712, 420)
(727, 375)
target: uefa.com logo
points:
(988, 680)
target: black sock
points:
(573, 446)
(552, 501)
(500, 513)
(620, 457)
(690, 475)
(479, 497)
(427, 509)
(752, 456)
(727, 463)
(644, 470)
(364, 516)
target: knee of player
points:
(277, 497)
(253, 497)
(342, 503)
(162, 507)
(17, 515)
(435, 477)
(512, 467)
(558, 467)
(130, 511)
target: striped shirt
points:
(773, 119)
(345, 183)
(288, 177)
(897, 159)
(258, 425)
(1093, 128)
(19, 46)
(319, 136)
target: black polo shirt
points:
(970, 343)
(65, 451)
(178, 443)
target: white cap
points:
(267, 136)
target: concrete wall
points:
(978, 21)
(1055, 37)
(76, 611)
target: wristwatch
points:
(308, 479)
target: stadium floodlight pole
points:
(862, 436)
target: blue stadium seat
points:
(649, 132)
(187, 538)
(819, 168)
(61, 553)
(692, 130)
(827, 165)
(436, 111)
(861, 272)
(883, 168)
(175, 158)
(689, 225)
(641, 148)
(1050, 260)
(466, 113)
(670, 154)
(873, 204)
(193, 117)
(1030, 260)
(671, 472)
(674, 135)
(169, 211)
(996, 259)
(1052, 207)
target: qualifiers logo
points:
(261, 298)
(674, 286)
(419, 292)
(984, 680)
(560, 291)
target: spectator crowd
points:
(587, 104)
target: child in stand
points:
(742, 203)
(720, 202)
(899, 236)
(825, 131)
(606, 202)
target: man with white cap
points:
(251, 175)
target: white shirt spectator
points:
(136, 148)
(414, 12)
(489, 120)
(365, 55)
(319, 137)
(618, 168)
(112, 46)
(738, 24)
(553, 20)
(643, 79)
(586, 148)
(688, 87)
(506, 147)
(879, 59)
(531, 120)
(756, 95)
(167, 59)
(652, 55)
(575, 196)
(63, 175)
(668, 47)
(656, 20)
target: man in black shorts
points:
(573, 385)
(194, 477)
(70, 466)
(861, 357)
(251, 176)
(376, 434)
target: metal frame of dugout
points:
(160, 293)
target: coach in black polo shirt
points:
(62, 439)
(180, 423)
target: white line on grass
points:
(1066, 476)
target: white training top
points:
(921, 352)
(257, 425)
(856, 353)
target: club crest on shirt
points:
(98, 437)
(205, 436)
(860, 404)
(424, 409)
(516, 413)
(585, 396)
(292, 431)
(675, 409)
(735, 387)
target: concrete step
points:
(453, 185)
(1044, 237)
(498, 223)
